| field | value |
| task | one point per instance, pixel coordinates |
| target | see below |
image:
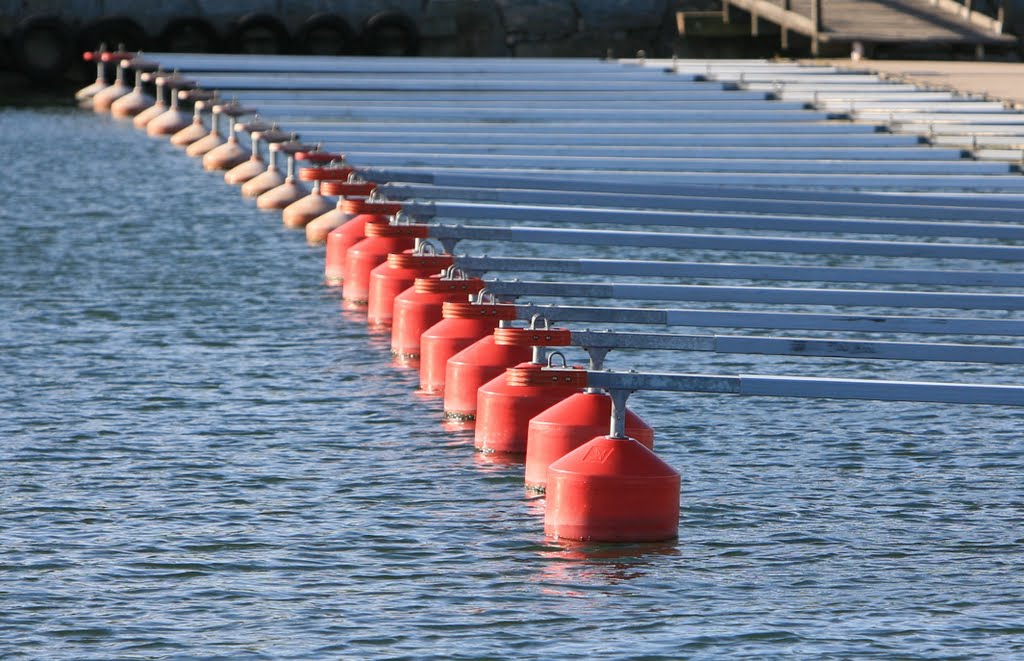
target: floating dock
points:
(735, 206)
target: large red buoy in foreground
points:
(419, 307)
(461, 325)
(318, 228)
(612, 490)
(394, 276)
(560, 429)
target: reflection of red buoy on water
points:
(567, 425)
(137, 100)
(344, 236)
(258, 132)
(196, 130)
(381, 240)
(399, 272)
(326, 166)
(318, 228)
(419, 307)
(461, 325)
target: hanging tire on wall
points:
(325, 34)
(42, 47)
(259, 34)
(113, 32)
(390, 33)
(189, 35)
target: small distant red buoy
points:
(381, 240)
(318, 228)
(504, 409)
(300, 212)
(419, 307)
(398, 272)
(137, 100)
(560, 429)
(289, 190)
(471, 368)
(270, 178)
(84, 96)
(159, 106)
(231, 153)
(349, 233)
(612, 490)
(196, 130)
(102, 100)
(174, 118)
(461, 325)
(254, 166)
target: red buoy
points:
(300, 212)
(381, 240)
(231, 153)
(84, 96)
(159, 105)
(346, 235)
(318, 228)
(137, 100)
(289, 190)
(254, 166)
(560, 429)
(174, 118)
(269, 178)
(461, 325)
(504, 409)
(419, 307)
(471, 368)
(213, 138)
(196, 131)
(102, 100)
(612, 490)
(394, 276)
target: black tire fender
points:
(394, 27)
(36, 31)
(345, 37)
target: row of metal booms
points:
(754, 208)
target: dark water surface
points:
(200, 457)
